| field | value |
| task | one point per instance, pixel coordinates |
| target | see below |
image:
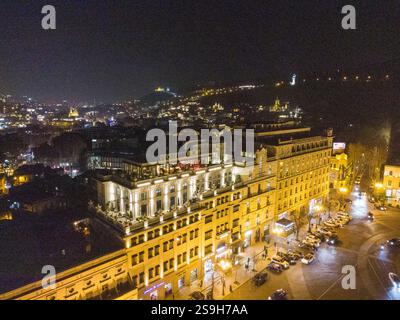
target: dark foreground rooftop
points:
(27, 243)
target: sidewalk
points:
(239, 274)
(234, 278)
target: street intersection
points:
(360, 246)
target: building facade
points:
(188, 225)
(102, 278)
(391, 184)
(339, 171)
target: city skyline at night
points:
(203, 156)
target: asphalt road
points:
(359, 247)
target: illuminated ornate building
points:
(181, 226)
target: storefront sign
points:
(156, 286)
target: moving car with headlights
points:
(332, 240)
(370, 216)
(279, 294)
(395, 242)
(380, 207)
(308, 258)
(394, 279)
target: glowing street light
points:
(343, 190)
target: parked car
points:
(343, 217)
(308, 258)
(327, 232)
(297, 255)
(313, 238)
(315, 242)
(279, 260)
(394, 279)
(330, 224)
(310, 242)
(286, 256)
(279, 294)
(319, 235)
(197, 295)
(275, 267)
(338, 222)
(307, 246)
(348, 201)
(260, 278)
(342, 221)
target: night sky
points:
(111, 50)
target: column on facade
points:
(166, 197)
(179, 193)
(151, 202)
(131, 202)
(136, 205)
(121, 201)
(192, 187)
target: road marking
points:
(331, 286)
(386, 289)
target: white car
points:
(279, 260)
(311, 242)
(394, 279)
(308, 258)
(313, 239)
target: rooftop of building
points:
(290, 137)
(36, 169)
(30, 242)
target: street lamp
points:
(379, 190)
(343, 191)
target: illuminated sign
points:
(293, 82)
(151, 289)
(339, 146)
